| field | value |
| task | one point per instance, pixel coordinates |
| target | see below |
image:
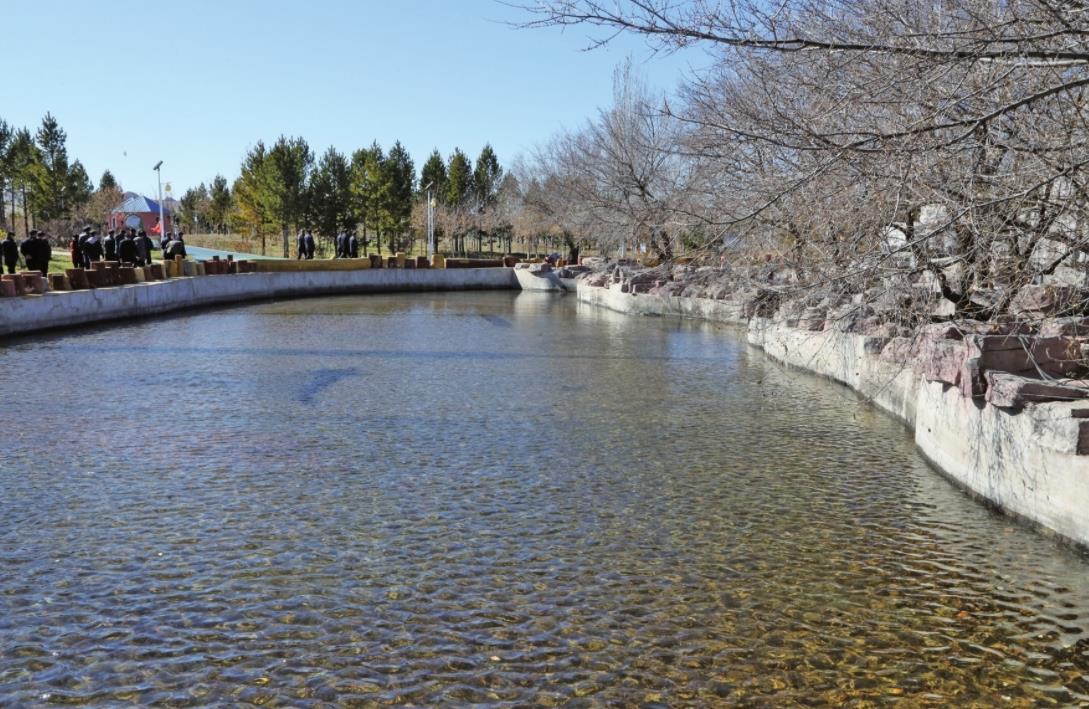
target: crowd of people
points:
(35, 250)
(347, 245)
(129, 246)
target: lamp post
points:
(159, 177)
(430, 223)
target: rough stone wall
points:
(1029, 461)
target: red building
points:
(139, 212)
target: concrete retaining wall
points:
(1025, 463)
(31, 313)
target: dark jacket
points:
(176, 247)
(309, 245)
(126, 250)
(109, 246)
(92, 250)
(10, 249)
(353, 246)
(28, 247)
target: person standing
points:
(300, 245)
(126, 250)
(353, 245)
(10, 251)
(45, 252)
(92, 250)
(142, 250)
(75, 249)
(109, 246)
(309, 245)
(28, 247)
(175, 247)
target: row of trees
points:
(852, 139)
(285, 187)
(41, 186)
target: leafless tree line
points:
(940, 145)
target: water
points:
(493, 498)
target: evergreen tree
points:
(51, 184)
(434, 171)
(367, 192)
(459, 179)
(399, 177)
(487, 176)
(107, 181)
(23, 156)
(289, 164)
(459, 191)
(330, 194)
(251, 192)
(219, 203)
(7, 135)
(80, 188)
(193, 207)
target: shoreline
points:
(57, 309)
(1024, 463)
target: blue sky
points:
(196, 83)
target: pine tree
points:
(51, 185)
(23, 155)
(459, 179)
(434, 172)
(219, 203)
(330, 194)
(289, 164)
(7, 135)
(108, 181)
(399, 175)
(487, 176)
(367, 191)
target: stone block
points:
(140, 274)
(8, 290)
(77, 279)
(96, 278)
(1055, 356)
(1065, 327)
(421, 262)
(156, 271)
(438, 261)
(1044, 301)
(376, 261)
(1006, 390)
(58, 281)
(409, 263)
(126, 275)
(34, 282)
(399, 259)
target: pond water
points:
(494, 498)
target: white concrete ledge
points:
(60, 309)
(1025, 463)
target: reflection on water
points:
(493, 498)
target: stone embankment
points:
(121, 297)
(996, 410)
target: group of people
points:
(129, 246)
(35, 250)
(305, 244)
(347, 245)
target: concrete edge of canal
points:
(67, 308)
(1025, 463)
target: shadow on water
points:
(321, 380)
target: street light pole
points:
(162, 223)
(430, 223)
